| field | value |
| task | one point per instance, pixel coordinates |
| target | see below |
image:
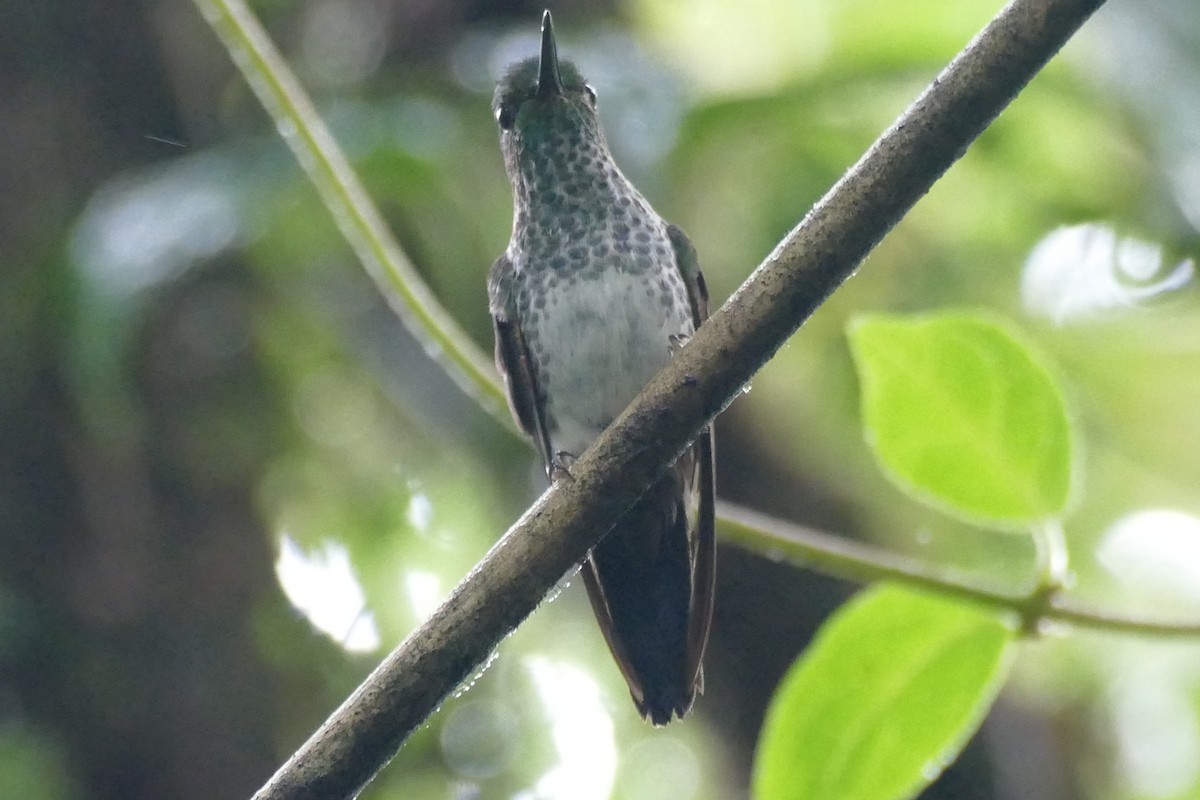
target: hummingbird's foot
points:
(560, 466)
(676, 341)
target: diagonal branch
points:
(557, 531)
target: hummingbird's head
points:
(544, 107)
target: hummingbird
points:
(592, 296)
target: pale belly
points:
(598, 343)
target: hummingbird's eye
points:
(506, 116)
(590, 92)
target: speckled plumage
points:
(578, 220)
(588, 300)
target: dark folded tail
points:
(639, 579)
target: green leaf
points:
(964, 416)
(888, 694)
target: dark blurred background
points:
(230, 482)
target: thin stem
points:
(356, 216)
(1054, 572)
(834, 555)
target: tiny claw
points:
(676, 341)
(560, 466)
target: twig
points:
(356, 216)
(852, 560)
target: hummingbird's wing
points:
(512, 358)
(704, 546)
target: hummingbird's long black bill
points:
(549, 79)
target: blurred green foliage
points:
(199, 368)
